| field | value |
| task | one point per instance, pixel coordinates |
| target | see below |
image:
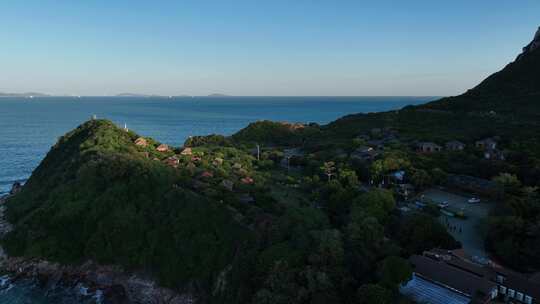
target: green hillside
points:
(98, 196)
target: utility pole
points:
(258, 152)
(288, 163)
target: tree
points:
(394, 271)
(439, 176)
(328, 251)
(373, 294)
(421, 179)
(377, 169)
(422, 232)
(365, 241)
(395, 161)
(329, 169)
(279, 287)
(348, 177)
(391, 162)
(515, 241)
(357, 142)
(508, 182)
(377, 203)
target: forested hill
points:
(518, 84)
(506, 104)
(99, 196)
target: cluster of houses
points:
(375, 142)
(487, 145)
(377, 138)
(441, 276)
(187, 152)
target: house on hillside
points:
(455, 145)
(162, 148)
(363, 137)
(186, 151)
(365, 153)
(172, 161)
(227, 184)
(207, 174)
(441, 276)
(487, 143)
(141, 142)
(377, 144)
(494, 154)
(428, 147)
(247, 180)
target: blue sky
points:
(273, 47)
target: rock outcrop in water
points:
(114, 285)
(16, 188)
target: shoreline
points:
(111, 283)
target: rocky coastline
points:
(111, 284)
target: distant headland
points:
(127, 94)
(27, 94)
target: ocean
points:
(29, 127)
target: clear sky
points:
(271, 47)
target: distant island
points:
(27, 95)
(218, 95)
(151, 95)
(133, 95)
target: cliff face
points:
(531, 47)
(518, 80)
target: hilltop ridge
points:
(519, 79)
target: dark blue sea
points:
(29, 127)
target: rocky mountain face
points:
(515, 88)
(531, 47)
(519, 78)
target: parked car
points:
(443, 205)
(474, 200)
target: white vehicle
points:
(443, 205)
(474, 200)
